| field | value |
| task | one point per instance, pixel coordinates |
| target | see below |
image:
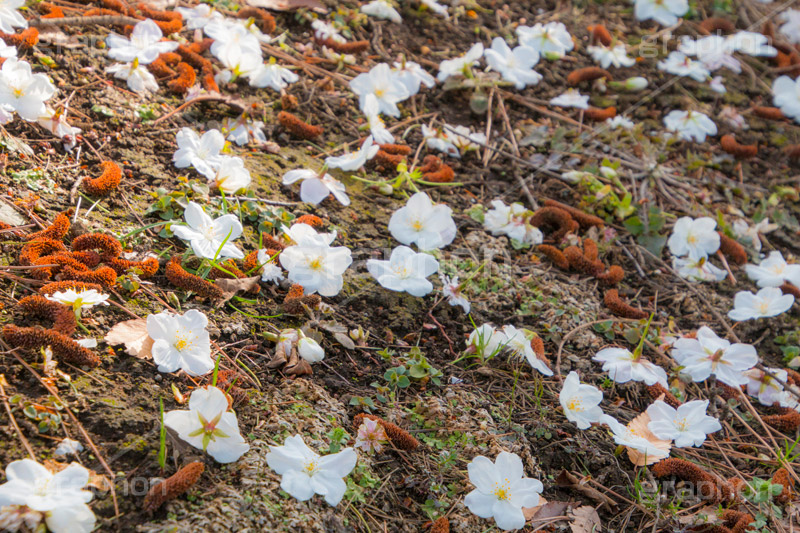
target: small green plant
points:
(761, 492)
(646, 226)
(162, 437)
(46, 415)
(338, 437)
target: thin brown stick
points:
(102, 20)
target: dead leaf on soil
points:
(286, 5)
(704, 515)
(638, 426)
(231, 286)
(345, 340)
(566, 479)
(133, 334)
(297, 366)
(547, 511)
(585, 520)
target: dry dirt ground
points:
(470, 409)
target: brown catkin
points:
(23, 40)
(600, 34)
(90, 258)
(62, 259)
(39, 248)
(727, 392)
(183, 280)
(62, 317)
(251, 264)
(312, 220)
(612, 276)
(173, 486)
(148, 267)
(355, 47)
(297, 127)
(108, 181)
(598, 114)
(186, 78)
(60, 286)
(103, 276)
(737, 150)
(579, 262)
(198, 47)
(658, 389)
(445, 174)
(295, 300)
(710, 486)
(715, 24)
(732, 250)
(792, 151)
(590, 250)
(56, 231)
(160, 69)
(770, 113)
(787, 421)
(441, 525)
(52, 11)
(63, 347)
(556, 221)
(620, 308)
(587, 74)
(268, 241)
(584, 219)
(782, 477)
(402, 439)
(108, 245)
(431, 163)
(788, 288)
(232, 268)
(555, 255)
(170, 58)
(737, 521)
(396, 149)
(385, 161)
(266, 22)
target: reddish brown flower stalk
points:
(63, 347)
(103, 276)
(62, 317)
(598, 114)
(60, 286)
(24, 40)
(108, 245)
(108, 181)
(787, 421)
(612, 276)
(170, 58)
(737, 150)
(52, 11)
(36, 249)
(587, 74)
(160, 69)
(56, 231)
(732, 250)
(266, 22)
(148, 267)
(555, 221)
(401, 439)
(584, 219)
(715, 24)
(600, 34)
(183, 280)
(555, 255)
(297, 127)
(172, 487)
(657, 390)
(89, 258)
(710, 486)
(620, 308)
(590, 250)
(186, 78)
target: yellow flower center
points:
(417, 225)
(763, 308)
(575, 404)
(692, 239)
(310, 467)
(181, 342)
(316, 264)
(380, 92)
(502, 492)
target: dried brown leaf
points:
(231, 286)
(133, 334)
(568, 480)
(585, 520)
(639, 427)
